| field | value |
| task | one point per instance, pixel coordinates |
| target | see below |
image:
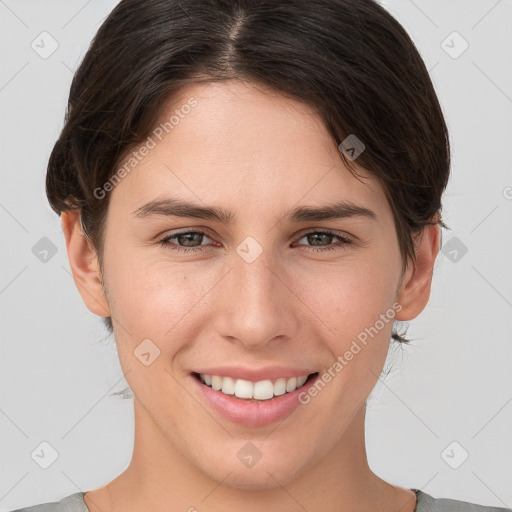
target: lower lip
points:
(252, 413)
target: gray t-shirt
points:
(425, 503)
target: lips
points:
(251, 412)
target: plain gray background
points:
(448, 395)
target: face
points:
(266, 292)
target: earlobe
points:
(84, 264)
(415, 288)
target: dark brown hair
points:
(350, 60)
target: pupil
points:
(316, 236)
(189, 237)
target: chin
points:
(274, 472)
(257, 481)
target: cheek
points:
(350, 297)
(157, 300)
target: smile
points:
(260, 390)
(250, 403)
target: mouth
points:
(248, 410)
(251, 391)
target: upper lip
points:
(255, 374)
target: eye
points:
(190, 241)
(323, 237)
(189, 238)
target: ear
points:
(414, 290)
(84, 264)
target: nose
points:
(256, 303)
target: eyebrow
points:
(174, 207)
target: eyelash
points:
(165, 242)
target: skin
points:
(258, 154)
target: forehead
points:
(241, 144)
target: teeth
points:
(261, 390)
(216, 382)
(243, 388)
(228, 386)
(280, 387)
(291, 384)
(301, 380)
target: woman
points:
(250, 192)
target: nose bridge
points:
(255, 307)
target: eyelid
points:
(342, 234)
(194, 229)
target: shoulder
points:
(72, 503)
(427, 503)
